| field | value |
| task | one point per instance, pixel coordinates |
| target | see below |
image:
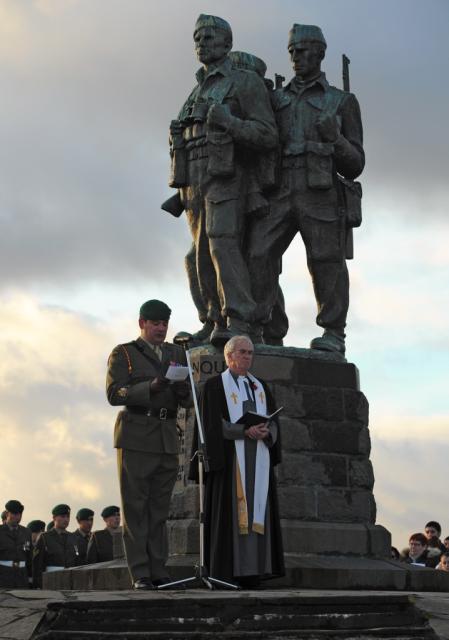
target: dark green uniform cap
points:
(35, 526)
(61, 510)
(84, 514)
(154, 310)
(110, 511)
(50, 525)
(14, 506)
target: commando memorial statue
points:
(253, 165)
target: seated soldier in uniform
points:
(101, 544)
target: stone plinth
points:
(325, 481)
(325, 486)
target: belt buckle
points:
(15, 564)
(163, 413)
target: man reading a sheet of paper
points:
(243, 542)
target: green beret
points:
(215, 22)
(110, 511)
(305, 33)
(50, 525)
(84, 514)
(14, 506)
(35, 526)
(154, 310)
(61, 510)
(243, 60)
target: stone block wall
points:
(326, 479)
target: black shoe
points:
(249, 582)
(160, 582)
(143, 584)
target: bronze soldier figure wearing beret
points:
(222, 130)
(320, 131)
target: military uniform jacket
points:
(252, 128)
(81, 544)
(15, 545)
(297, 110)
(100, 547)
(54, 549)
(131, 369)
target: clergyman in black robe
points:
(230, 554)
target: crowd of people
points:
(26, 552)
(426, 549)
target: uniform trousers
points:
(218, 228)
(146, 484)
(315, 214)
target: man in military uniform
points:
(223, 128)
(15, 549)
(36, 527)
(321, 138)
(55, 549)
(101, 544)
(85, 519)
(146, 439)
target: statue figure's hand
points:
(219, 116)
(327, 126)
(176, 128)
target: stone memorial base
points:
(325, 485)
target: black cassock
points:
(219, 523)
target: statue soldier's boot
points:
(221, 334)
(332, 340)
(203, 335)
(195, 339)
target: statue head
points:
(213, 39)
(248, 61)
(307, 47)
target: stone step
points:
(391, 633)
(235, 616)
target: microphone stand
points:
(201, 576)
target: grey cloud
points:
(83, 159)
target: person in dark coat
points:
(85, 519)
(101, 544)
(419, 553)
(36, 527)
(432, 531)
(55, 549)
(15, 549)
(243, 541)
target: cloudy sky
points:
(88, 89)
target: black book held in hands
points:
(251, 418)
